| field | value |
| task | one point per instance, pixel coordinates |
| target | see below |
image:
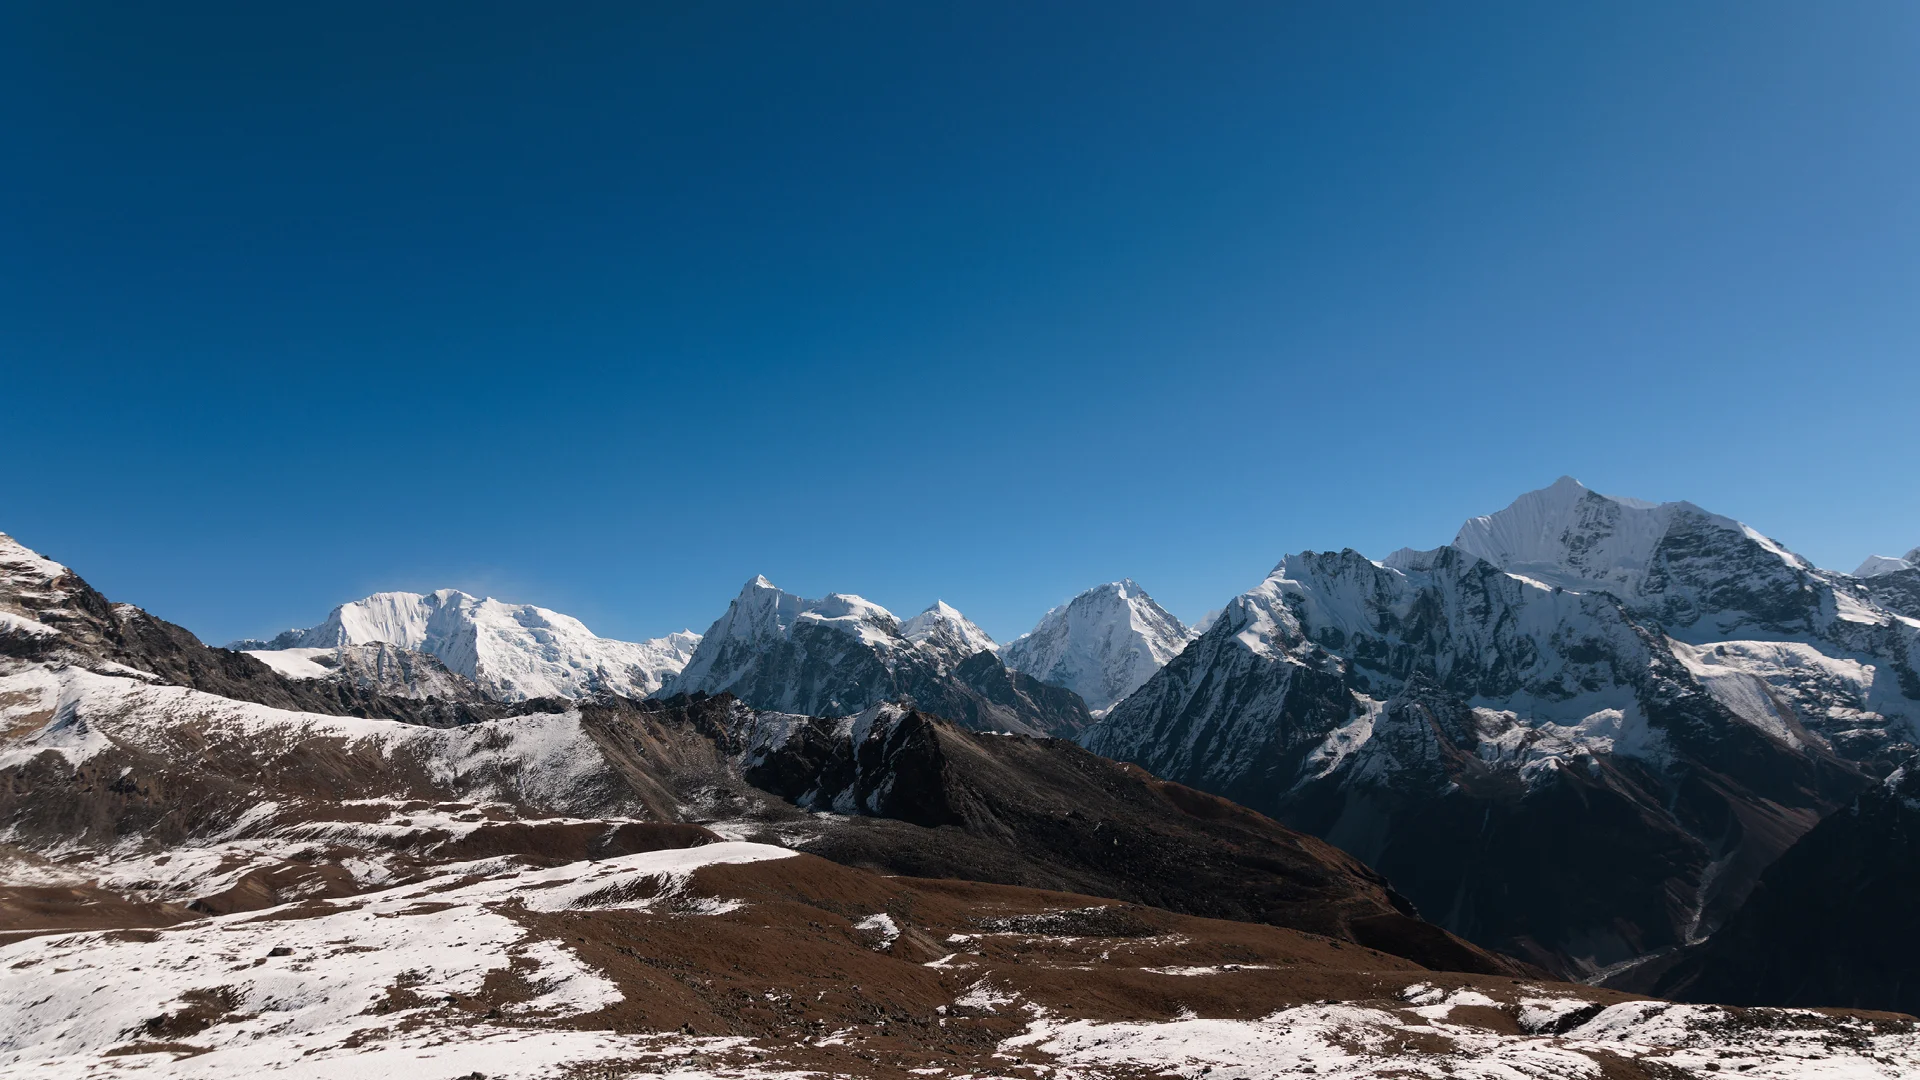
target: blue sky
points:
(611, 308)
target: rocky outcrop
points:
(930, 798)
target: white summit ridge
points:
(1103, 644)
(1571, 536)
(1876, 565)
(514, 651)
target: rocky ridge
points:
(843, 654)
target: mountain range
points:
(1446, 714)
(1578, 734)
(512, 651)
(1356, 824)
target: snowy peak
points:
(1672, 559)
(765, 615)
(1876, 565)
(1572, 536)
(1103, 644)
(841, 655)
(765, 619)
(514, 651)
(943, 631)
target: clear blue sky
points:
(610, 307)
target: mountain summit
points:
(1103, 644)
(943, 630)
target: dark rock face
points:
(1006, 692)
(1044, 812)
(1830, 923)
(1898, 591)
(1702, 572)
(980, 693)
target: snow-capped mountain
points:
(371, 893)
(513, 651)
(1694, 572)
(843, 654)
(1103, 644)
(946, 633)
(1876, 565)
(1462, 718)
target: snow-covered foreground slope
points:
(513, 651)
(843, 654)
(521, 975)
(746, 960)
(1644, 674)
(1367, 1040)
(1103, 644)
(336, 987)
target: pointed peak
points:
(1125, 589)
(18, 559)
(943, 625)
(1876, 565)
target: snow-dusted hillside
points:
(1572, 658)
(513, 651)
(1103, 644)
(378, 668)
(843, 654)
